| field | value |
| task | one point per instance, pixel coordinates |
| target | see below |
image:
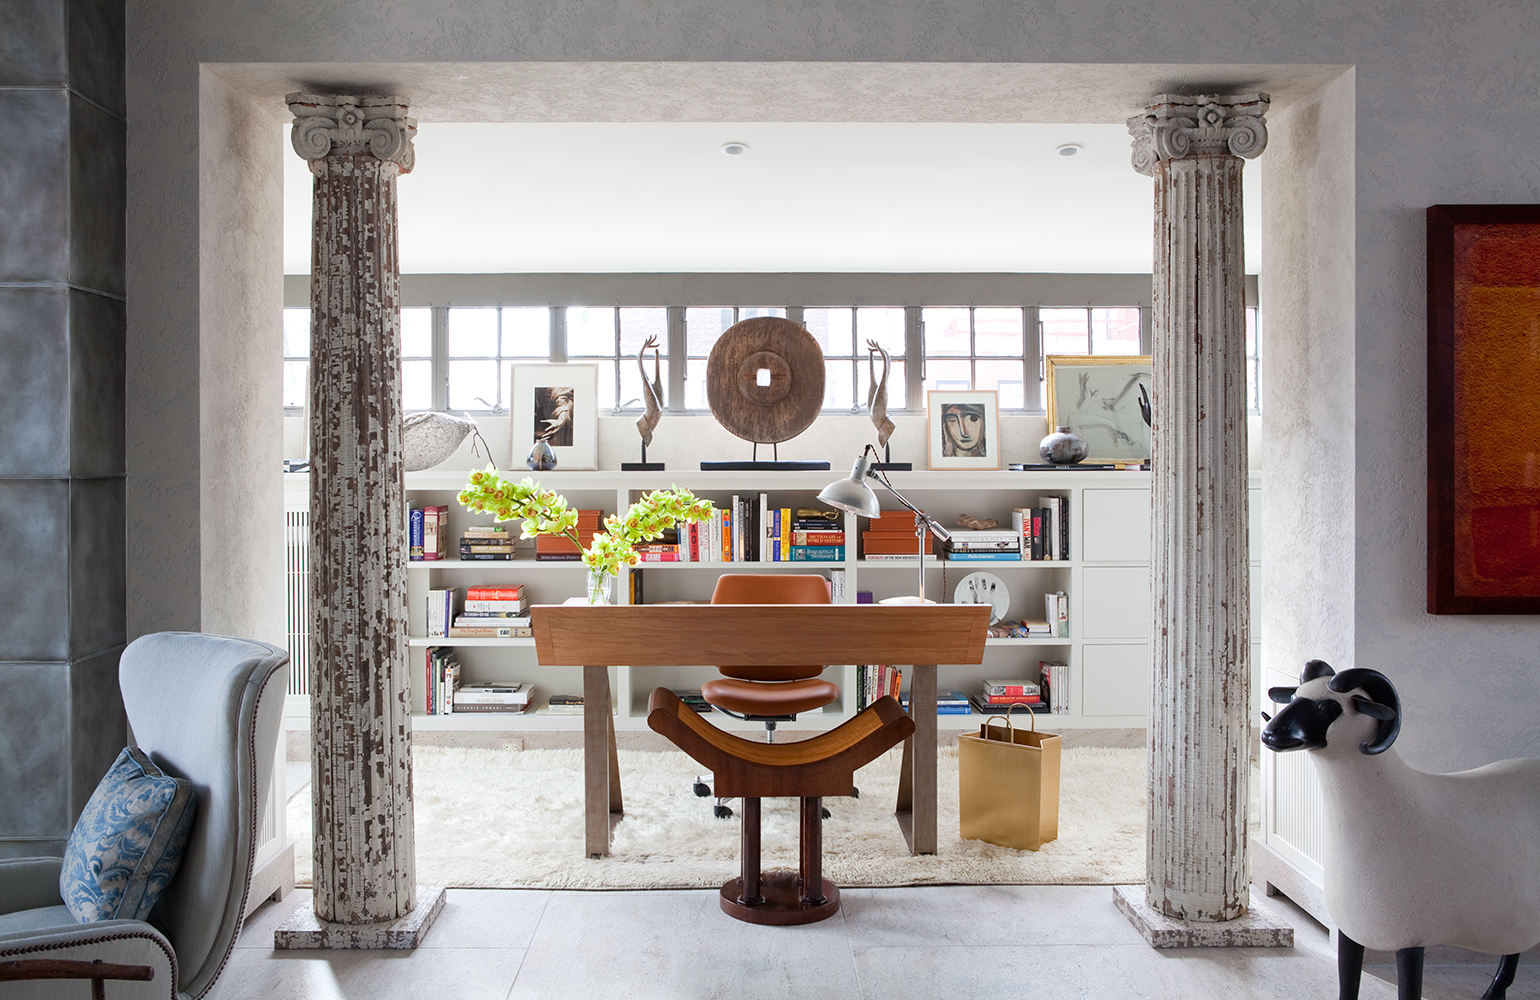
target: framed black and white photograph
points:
(555, 404)
(1100, 399)
(964, 429)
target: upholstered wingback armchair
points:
(207, 708)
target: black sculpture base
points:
(893, 466)
(641, 466)
(763, 466)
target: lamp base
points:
(893, 466)
(763, 466)
(641, 467)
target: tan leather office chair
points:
(760, 693)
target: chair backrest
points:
(208, 708)
(770, 588)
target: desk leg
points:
(601, 771)
(917, 771)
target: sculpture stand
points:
(757, 466)
(888, 465)
(643, 465)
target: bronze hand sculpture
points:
(877, 393)
(652, 393)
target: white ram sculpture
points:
(1412, 859)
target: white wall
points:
(1442, 112)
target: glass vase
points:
(601, 587)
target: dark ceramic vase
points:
(1062, 447)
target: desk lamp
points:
(854, 496)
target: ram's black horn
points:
(1266, 717)
(1381, 692)
(1314, 669)
(1374, 709)
(1281, 696)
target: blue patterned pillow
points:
(128, 842)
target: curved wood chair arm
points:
(823, 765)
(62, 968)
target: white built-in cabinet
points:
(1106, 578)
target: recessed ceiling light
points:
(1069, 149)
(735, 148)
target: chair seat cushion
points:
(128, 841)
(43, 918)
(755, 698)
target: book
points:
(482, 556)
(983, 555)
(817, 538)
(1079, 466)
(490, 632)
(490, 618)
(817, 553)
(441, 605)
(837, 586)
(693, 698)
(498, 593)
(414, 523)
(477, 604)
(1056, 606)
(479, 708)
(1058, 537)
(1010, 545)
(658, 556)
(1006, 536)
(483, 531)
(435, 531)
(897, 556)
(468, 548)
(986, 708)
(1010, 687)
(493, 693)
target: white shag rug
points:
(514, 819)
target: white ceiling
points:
(662, 197)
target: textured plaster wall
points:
(241, 331)
(1442, 113)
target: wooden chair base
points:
(783, 904)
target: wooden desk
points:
(599, 637)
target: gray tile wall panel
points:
(98, 728)
(96, 51)
(96, 385)
(98, 598)
(34, 749)
(34, 572)
(32, 45)
(98, 195)
(34, 185)
(35, 382)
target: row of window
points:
(958, 347)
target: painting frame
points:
(536, 387)
(987, 402)
(1121, 437)
(1483, 517)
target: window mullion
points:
(914, 360)
(558, 335)
(677, 352)
(440, 357)
(1032, 359)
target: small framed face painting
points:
(964, 429)
(555, 404)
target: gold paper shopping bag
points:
(1008, 785)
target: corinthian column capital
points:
(1174, 126)
(353, 125)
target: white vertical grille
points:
(296, 537)
(1297, 811)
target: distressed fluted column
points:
(1197, 865)
(360, 702)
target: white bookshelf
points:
(1106, 579)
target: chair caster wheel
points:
(722, 812)
(855, 793)
(702, 790)
(825, 811)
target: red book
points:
(515, 593)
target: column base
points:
(1253, 929)
(303, 930)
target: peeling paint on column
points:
(1198, 868)
(361, 721)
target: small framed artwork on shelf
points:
(1105, 400)
(555, 404)
(964, 429)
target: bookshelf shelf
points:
(1106, 579)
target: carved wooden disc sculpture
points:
(764, 379)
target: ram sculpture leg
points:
(1507, 968)
(1409, 974)
(1350, 967)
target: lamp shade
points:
(852, 494)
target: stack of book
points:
(1053, 679)
(947, 703)
(427, 529)
(997, 696)
(1015, 628)
(443, 677)
(485, 541)
(1043, 530)
(805, 535)
(876, 680)
(493, 698)
(493, 613)
(693, 698)
(666, 548)
(893, 537)
(559, 548)
(564, 704)
(984, 546)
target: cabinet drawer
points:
(1115, 680)
(1115, 526)
(1115, 603)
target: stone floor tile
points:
(425, 974)
(986, 915)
